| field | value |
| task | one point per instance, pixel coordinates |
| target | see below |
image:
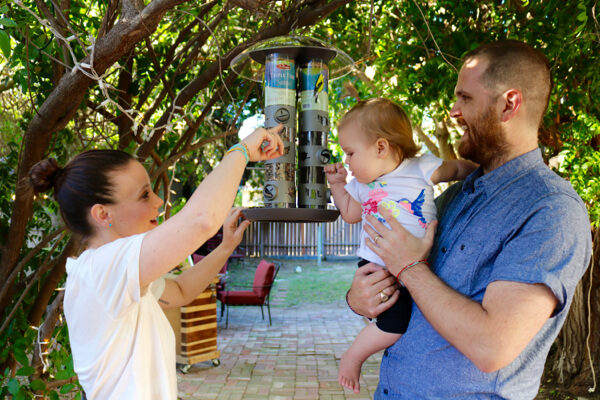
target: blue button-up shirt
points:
(521, 222)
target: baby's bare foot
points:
(349, 373)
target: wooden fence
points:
(330, 240)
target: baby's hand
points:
(336, 173)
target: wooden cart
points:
(195, 327)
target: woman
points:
(123, 346)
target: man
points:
(512, 242)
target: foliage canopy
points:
(154, 79)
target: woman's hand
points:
(264, 144)
(233, 233)
(396, 246)
(336, 173)
(364, 297)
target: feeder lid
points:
(250, 64)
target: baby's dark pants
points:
(396, 318)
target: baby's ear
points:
(383, 147)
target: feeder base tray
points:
(290, 214)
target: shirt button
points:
(462, 246)
(385, 353)
(385, 391)
(444, 250)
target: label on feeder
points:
(312, 195)
(314, 86)
(279, 194)
(310, 156)
(289, 154)
(314, 121)
(280, 80)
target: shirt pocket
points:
(465, 264)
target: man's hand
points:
(364, 298)
(396, 246)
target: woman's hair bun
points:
(44, 175)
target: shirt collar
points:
(491, 181)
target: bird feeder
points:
(296, 72)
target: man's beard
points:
(486, 142)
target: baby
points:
(376, 136)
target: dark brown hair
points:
(82, 183)
(514, 64)
(383, 118)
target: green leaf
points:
(62, 374)
(38, 384)
(67, 388)
(21, 357)
(7, 22)
(25, 371)
(5, 44)
(13, 386)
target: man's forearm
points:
(491, 334)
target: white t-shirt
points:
(407, 192)
(123, 346)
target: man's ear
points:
(100, 216)
(383, 147)
(513, 99)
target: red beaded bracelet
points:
(407, 267)
(349, 306)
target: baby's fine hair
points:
(82, 183)
(383, 118)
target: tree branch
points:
(5, 291)
(428, 142)
(60, 107)
(45, 331)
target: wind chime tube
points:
(313, 154)
(280, 108)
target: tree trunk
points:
(576, 360)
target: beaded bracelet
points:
(349, 306)
(407, 267)
(242, 148)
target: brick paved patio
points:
(294, 359)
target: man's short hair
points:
(514, 64)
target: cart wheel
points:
(216, 362)
(186, 368)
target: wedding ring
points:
(384, 297)
(377, 238)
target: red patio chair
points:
(257, 295)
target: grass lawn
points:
(322, 284)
